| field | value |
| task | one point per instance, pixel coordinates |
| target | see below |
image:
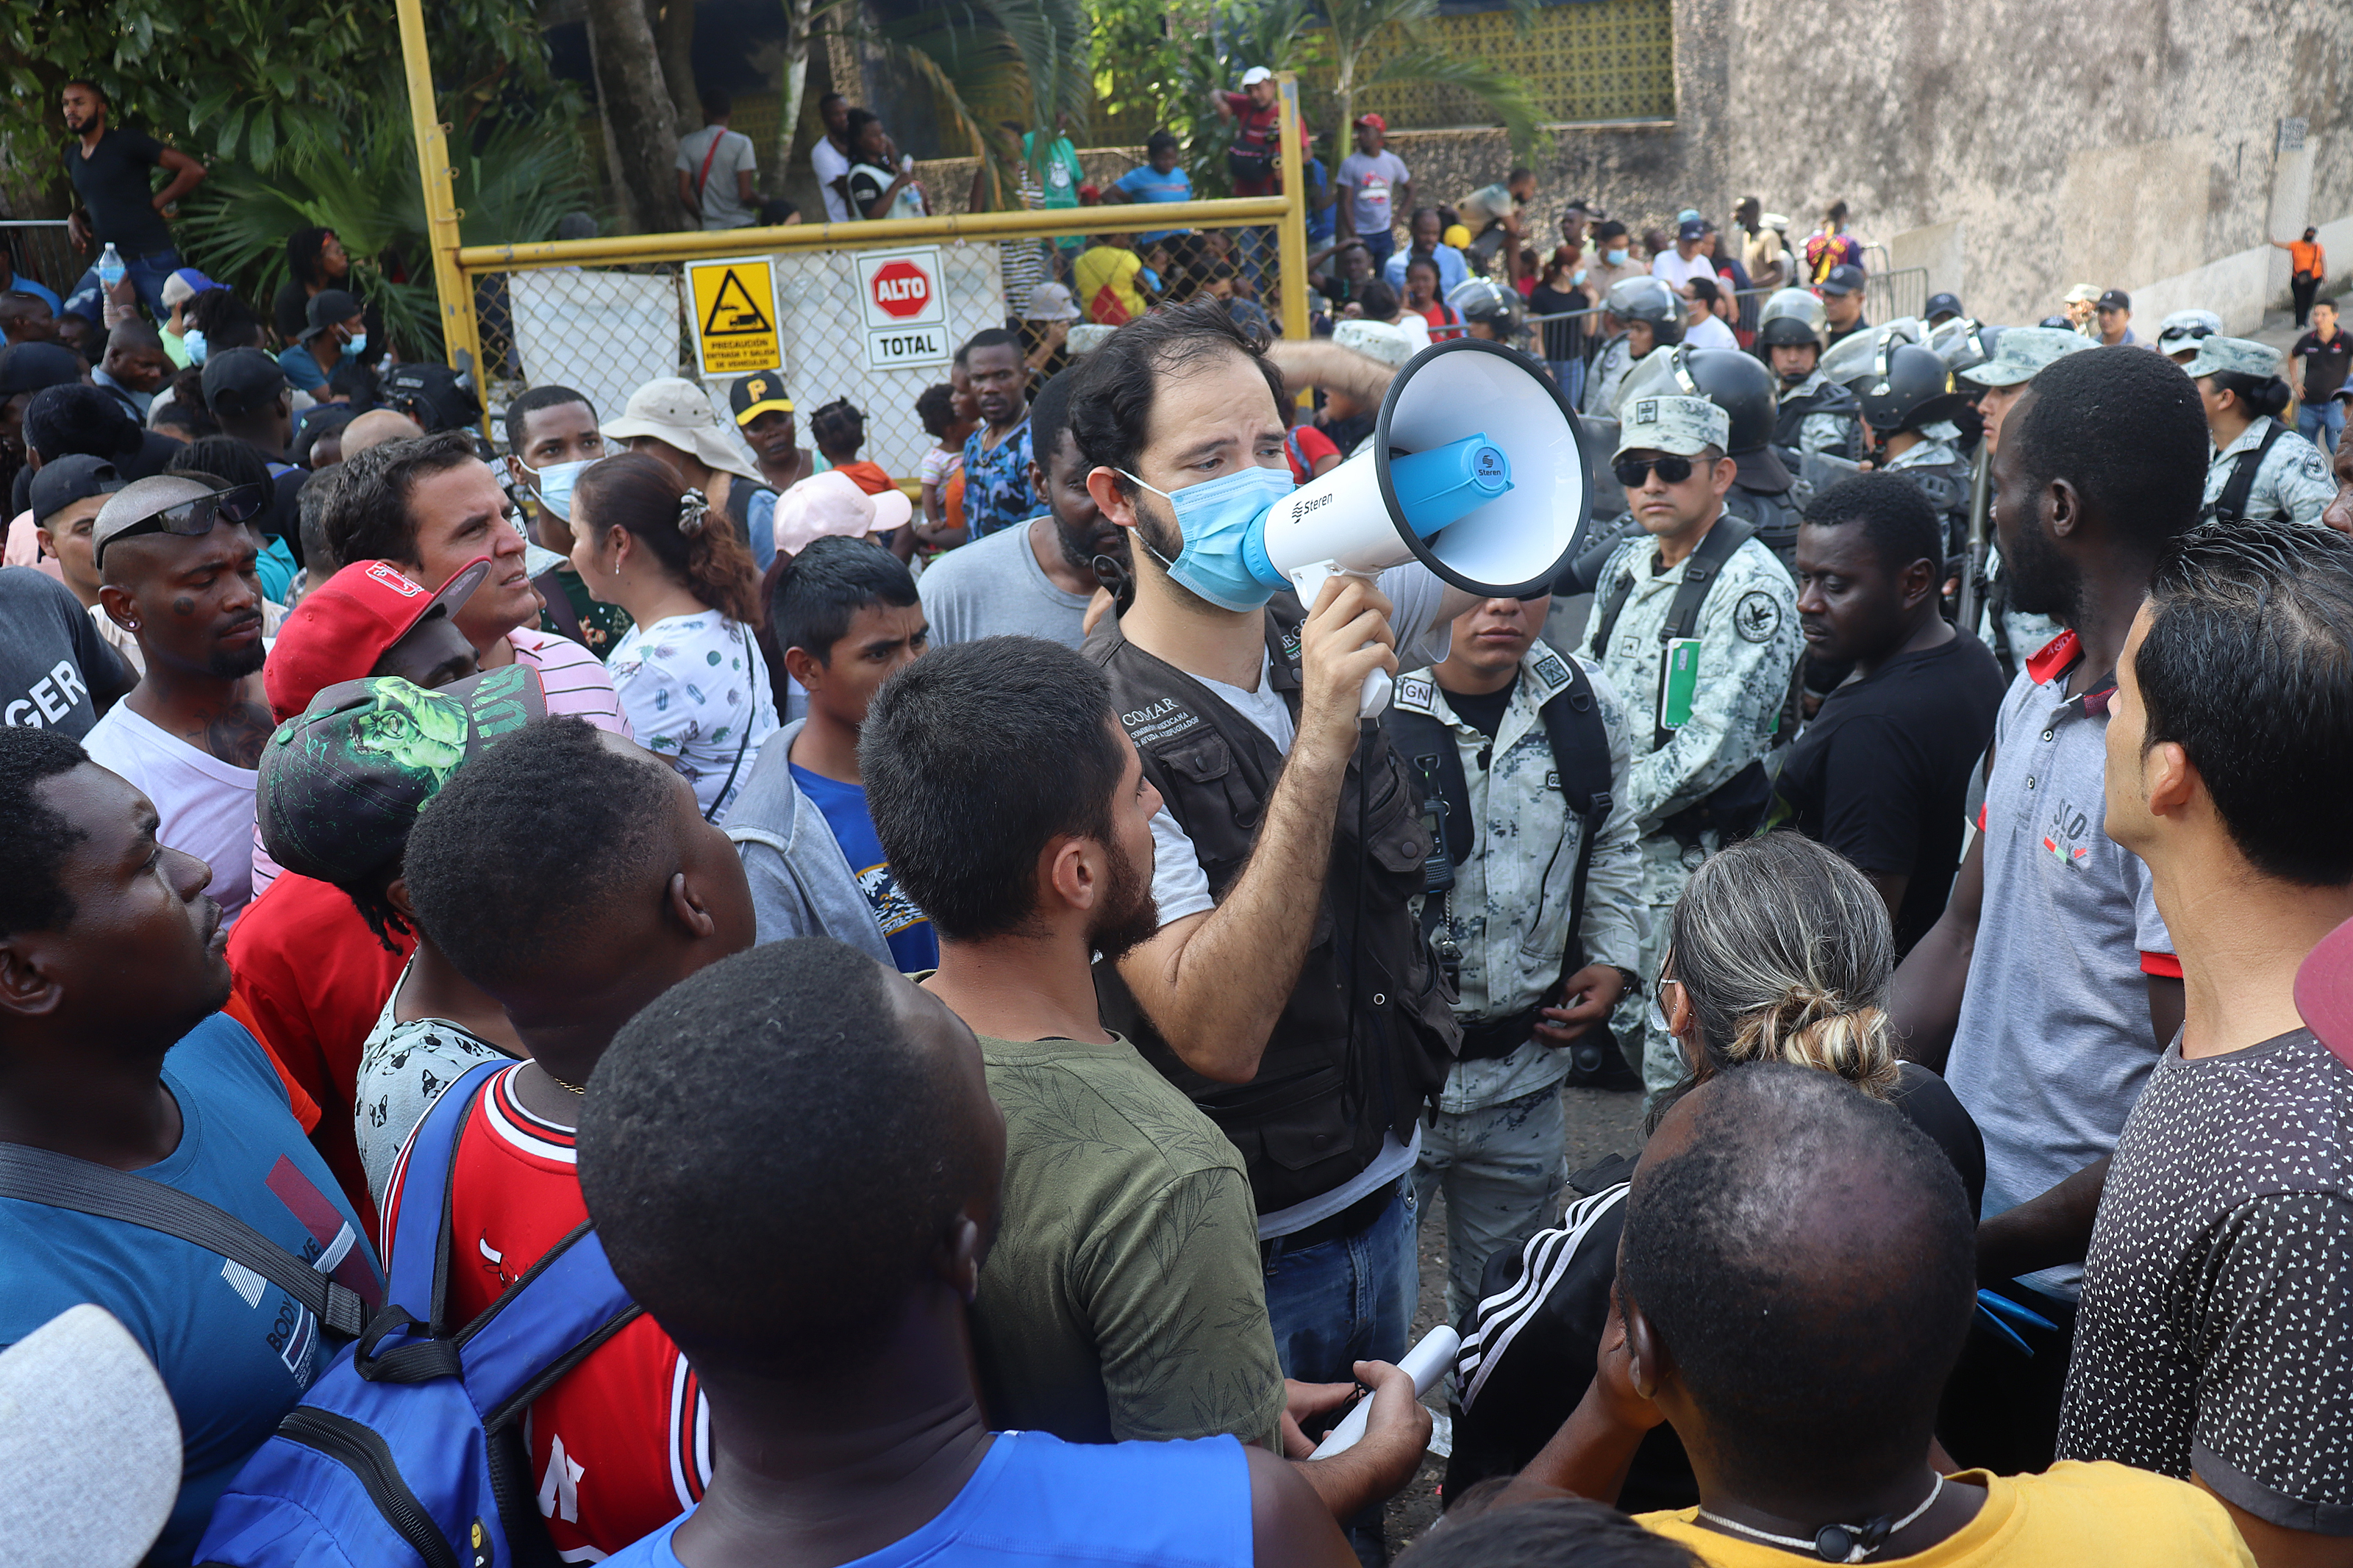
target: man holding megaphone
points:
(1289, 989)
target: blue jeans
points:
(146, 273)
(1569, 376)
(1349, 1300)
(2322, 423)
(1379, 247)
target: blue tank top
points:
(1039, 1502)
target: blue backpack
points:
(408, 1452)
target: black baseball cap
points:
(328, 307)
(341, 782)
(762, 391)
(241, 380)
(2113, 300)
(68, 479)
(436, 397)
(28, 367)
(1942, 305)
(1843, 279)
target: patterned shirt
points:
(997, 481)
(2292, 480)
(696, 690)
(2216, 1335)
(405, 1064)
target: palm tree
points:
(1357, 25)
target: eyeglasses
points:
(192, 518)
(1635, 472)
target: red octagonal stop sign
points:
(901, 289)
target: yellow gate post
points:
(1291, 230)
(457, 330)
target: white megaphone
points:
(1477, 468)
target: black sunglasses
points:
(193, 519)
(1634, 473)
(2185, 332)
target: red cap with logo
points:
(345, 624)
(1375, 122)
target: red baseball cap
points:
(2324, 992)
(345, 624)
(1375, 122)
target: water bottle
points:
(909, 202)
(109, 265)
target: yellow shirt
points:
(2070, 1515)
(1107, 266)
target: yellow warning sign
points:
(735, 305)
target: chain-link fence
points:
(608, 324)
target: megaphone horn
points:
(1477, 468)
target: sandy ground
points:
(1600, 1123)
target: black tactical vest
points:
(1828, 398)
(1369, 1032)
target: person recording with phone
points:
(1288, 987)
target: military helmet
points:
(1648, 299)
(1909, 387)
(1791, 317)
(1485, 300)
(1962, 343)
(1734, 382)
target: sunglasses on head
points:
(194, 519)
(1634, 473)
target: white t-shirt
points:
(1711, 334)
(1671, 266)
(831, 163)
(206, 805)
(1181, 888)
(696, 691)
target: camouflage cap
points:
(2241, 354)
(2020, 352)
(343, 781)
(1684, 426)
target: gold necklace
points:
(575, 1088)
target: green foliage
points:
(515, 179)
(263, 82)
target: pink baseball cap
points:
(2324, 992)
(831, 503)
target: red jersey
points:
(1305, 447)
(621, 1444)
(314, 979)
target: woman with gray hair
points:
(1778, 951)
(1781, 950)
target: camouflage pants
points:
(1501, 1168)
(1667, 867)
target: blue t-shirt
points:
(302, 371)
(1036, 1501)
(1146, 183)
(235, 1352)
(1451, 269)
(1320, 219)
(915, 946)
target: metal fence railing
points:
(43, 253)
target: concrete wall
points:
(2017, 147)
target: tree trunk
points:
(674, 37)
(797, 17)
(640, 127)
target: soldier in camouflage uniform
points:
(1817, 414)
(1494, 1145)
(2238, 381)
(1748, 645)
(2014, 635)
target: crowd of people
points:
(641, 994)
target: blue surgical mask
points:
(193, 340)
(357, 346)
(1615, 257)
(554, 483)
(1224, 555)
(1576, 277)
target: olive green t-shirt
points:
(1124, 1297)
